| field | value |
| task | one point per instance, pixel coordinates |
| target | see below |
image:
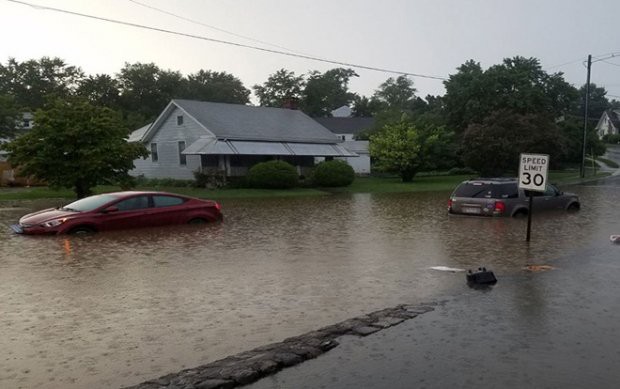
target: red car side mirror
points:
(112, 208)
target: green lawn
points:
(360, 185)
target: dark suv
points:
(502, 197)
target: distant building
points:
(343, 112)
(609, 123)
(347, 129)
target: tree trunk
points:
(81, 190)
(407, 175)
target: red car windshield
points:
(89, 203)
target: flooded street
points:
(118, 308)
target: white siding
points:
(167, 138)
(360, 165)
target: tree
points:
(597, 103)
(493, 147)
(396, 94)
(572, 136)
(101, 90)
(77, 145)
(33, 82)
(518, 84)
(8, 116)
(281, 88)
(406, 149)
(219, 87)
(327, 91)
(146, 89)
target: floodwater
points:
(116, 309)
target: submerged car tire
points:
(82, 230)
(573, 207)
(197, 220)
(520, 213)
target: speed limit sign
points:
(533, 172)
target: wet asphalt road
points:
(554, 329)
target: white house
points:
(347, 129)
(191, 136)
(609, 123)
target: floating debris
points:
(615, 238)
(480, 277)
(538, 268)
(446, 268)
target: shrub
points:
(611, 138)
(272, 175)
(210, 179)
(160, 182)
(333, 173)
(455, 171)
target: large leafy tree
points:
(281, 88)
(597, 103)
(406, 149)
(572, 135)
(77, 145)
(327, 91)
(33, 82)
(518, 84)
(222, 87)
(493, 146)
(146, 89)
(8, 116)
(396, 94)
(100, 89)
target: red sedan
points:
(120, 210)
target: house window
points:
(179, 120)
(182, 157)
(344, 137)
(26, 123)
(154, 156)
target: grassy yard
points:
(360, 185)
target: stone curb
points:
(250, 366)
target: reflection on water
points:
(118, 308)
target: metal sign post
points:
(532, 178)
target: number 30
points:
(538, 179)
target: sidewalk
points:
(555, 329)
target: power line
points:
(212, 27)
(566, 63)
(610, 63)
(40, 7)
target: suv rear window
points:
(484, 190)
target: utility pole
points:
(585, 119)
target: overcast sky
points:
(423, 37)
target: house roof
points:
(138, 134)
(614, 116)
(243, 122)
(346, 125)
(238, 147)
(609, 122)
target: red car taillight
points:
(449, 204)
(217, 206)
(500, 207)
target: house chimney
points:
(291, 103)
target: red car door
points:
(131, 212)
(167, 210)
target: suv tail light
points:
(500, 207)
